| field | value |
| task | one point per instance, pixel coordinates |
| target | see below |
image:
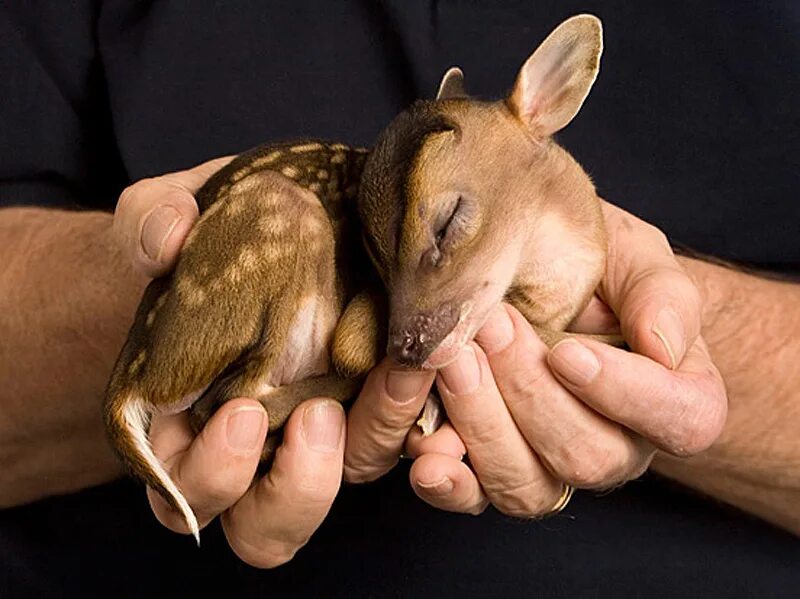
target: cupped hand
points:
(584, 414)
(266, 520)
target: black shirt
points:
(693, 124)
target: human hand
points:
(268, 520)
(583, 413)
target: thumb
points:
(154, 216)
(658, 305)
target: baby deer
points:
(461, 204)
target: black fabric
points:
(694, 125)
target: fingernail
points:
(441, 487)
(156, 230)
(322, 426)
(668, 328)
(464, 375)
(244, 428)
(574, 361)
(404, 385)
(497, 333)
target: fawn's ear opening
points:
(556, 78)
(452, 85)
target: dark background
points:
(693, 124)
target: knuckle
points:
(476, 509)
(270, 555)
(521, 388)
(263, 553)
(656, 235)
(129, 196)
(135, 195)
(482, 434)
(589, 466)
(177, 197)
(217, 491)
(144, 193)
(361, 471)
(312, 492)
(166, 515)
(700, 426)
(392, 422)
(639, 466)
(691, 293)
(525, 500)
(211, 492)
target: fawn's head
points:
(452, 186)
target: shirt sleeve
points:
(57, 145)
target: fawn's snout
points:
(415, 338)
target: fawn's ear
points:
(452, 85)
(556, 78)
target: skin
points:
(680, 410)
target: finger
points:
(682, 411)
(448, 484)
(511, 475)
(445, 441)
(377, 424)
(279, 513)
(597, 318)
(154, 216)
(576, 443)
(657, 303)
(213, 469)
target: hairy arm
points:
(752, 327)
(67, 296)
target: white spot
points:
(248, 259)
(273, 224)
(234, 206)
(136, 365)
(290, 171)
(265, 160)
(192, 295)
(233, 273)
(310, 147)
(241, 173)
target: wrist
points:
(68, 297)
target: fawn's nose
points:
(409, 349)
(412, 340)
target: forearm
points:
(752, 327)
(67, 298)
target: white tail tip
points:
(136, 418)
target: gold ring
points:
(563, 500)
